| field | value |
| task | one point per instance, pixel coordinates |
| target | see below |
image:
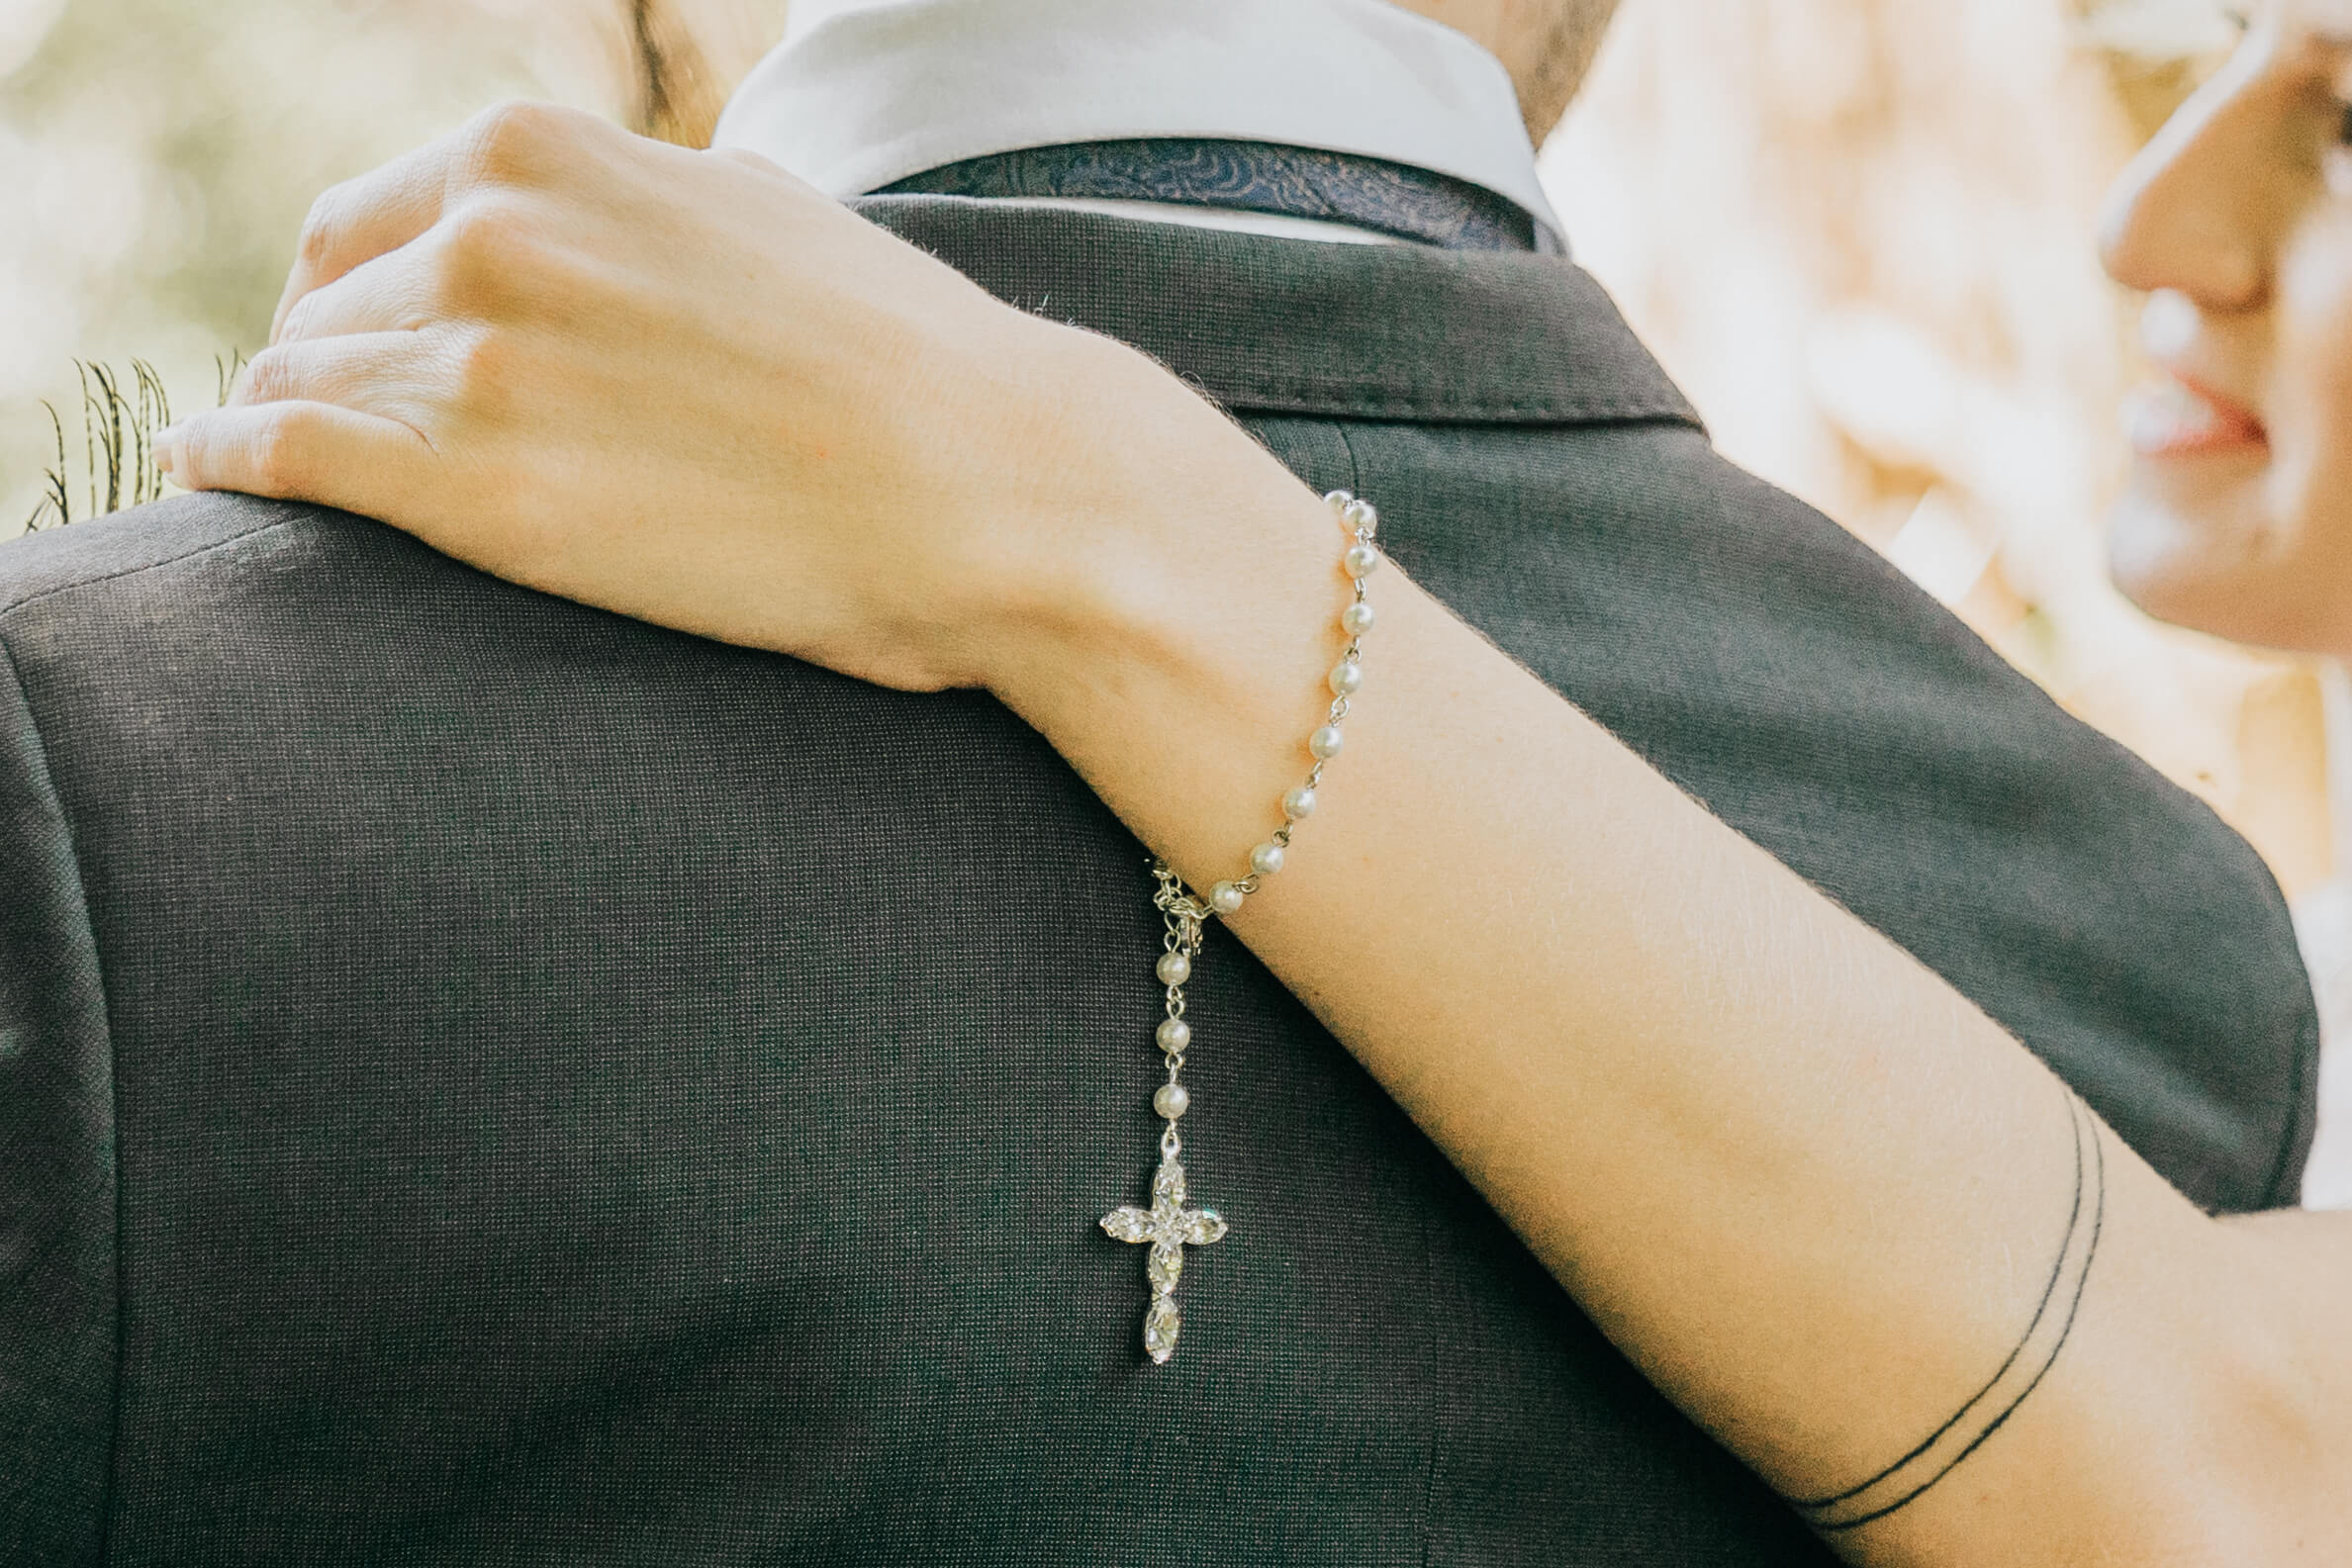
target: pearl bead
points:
(1361, 560)
(1360, 514)
(1345, 678)
(1266, 859)
(1337, 499)
(1299, 802)
(1174, 1035)
(1225, 898)
(1325, 742)
(1175, 968)
(1171, 1101)
(1357, 619)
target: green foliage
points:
(157, 158)
(119, 424)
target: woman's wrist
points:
(1186, 553)
(1176, 651)
(1198, 574)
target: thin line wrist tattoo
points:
(1941, 1451)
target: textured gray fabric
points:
(1383, 332)
(551, 1100)
(56, 1173)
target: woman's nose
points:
(2194, 212)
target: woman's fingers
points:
(517, 147)
(391, 293)
(299, 451)
(407, 377)
(361, 218)
(337, 421)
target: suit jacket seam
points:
(1355, 466)
(1438, 408)
(189, 554)
(48, 783)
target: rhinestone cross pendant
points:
(1170, 1227)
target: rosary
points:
(1167, 1225)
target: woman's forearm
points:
(1814, 1192)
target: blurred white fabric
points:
(2323, 925)
(865, 92)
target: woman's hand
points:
(686, 387)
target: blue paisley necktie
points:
(1252, 176)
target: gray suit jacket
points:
(484, 1081)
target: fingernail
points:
(165, 446)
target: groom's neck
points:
(1546, 46)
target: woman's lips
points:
(2176, 417)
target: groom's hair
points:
(1549, 80)
(676, 96)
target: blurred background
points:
(1860, 233)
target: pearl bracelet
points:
(1360, 561)
(1167, 1225)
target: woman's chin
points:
(2195, 540)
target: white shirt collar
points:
(865, 92)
